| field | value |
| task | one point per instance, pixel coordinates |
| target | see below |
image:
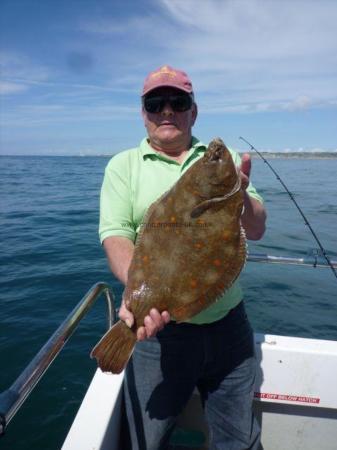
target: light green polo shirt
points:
(133, 180)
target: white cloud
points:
(11, 88)
(36, 115)
(300, 103)
(109, 26)
(17, 65)
(243, 56)
(19, 73)
(210, 105)
(256, 54)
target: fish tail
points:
(113, 351)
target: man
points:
(214, 351)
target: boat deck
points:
(295, 402)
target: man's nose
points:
(167, 110)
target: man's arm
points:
(119, 251)
(254, 216)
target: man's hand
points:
(245, 168)
(153, 322)
(253, 218)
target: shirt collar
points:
(148, 152)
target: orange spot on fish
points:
(198, 245)
(173, 219)
(145, 258)
(217, 262)
(193, 283)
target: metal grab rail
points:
(12, 399)
(314, 259)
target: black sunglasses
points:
(178, 102)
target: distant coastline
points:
(267, 155)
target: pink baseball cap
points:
(168, 77)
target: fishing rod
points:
(296, 204)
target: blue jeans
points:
(218, 359)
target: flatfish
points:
(189, 251)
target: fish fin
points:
(205, 205)
(185, 312)
(216, 201)
(113, 351)
(243, 248)
(146, 220)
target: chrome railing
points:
(12, 399)
(313, 259)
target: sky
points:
(72, 71)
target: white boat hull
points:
(296, 399)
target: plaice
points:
(189, 251)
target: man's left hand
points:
(245, 168)
(253, 218)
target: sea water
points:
(50, 257)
